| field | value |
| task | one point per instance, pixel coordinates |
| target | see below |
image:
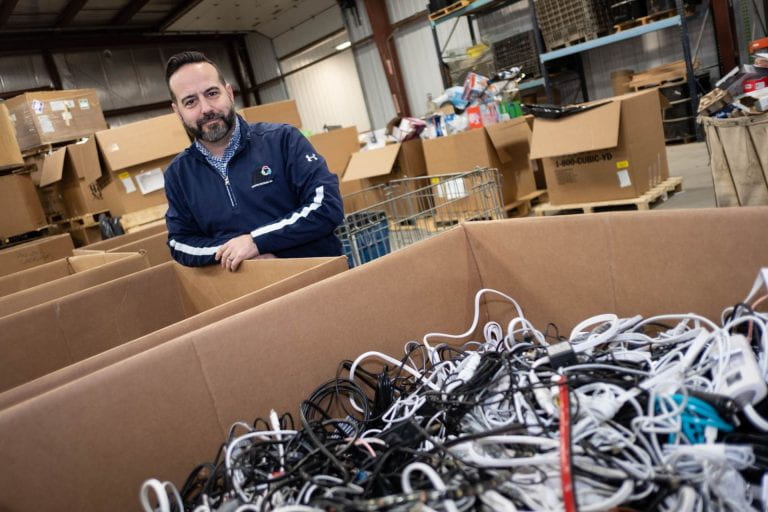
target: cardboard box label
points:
(67, 117)
(623, 164)
(584, 159)
(114, 147)
(38, 106)
(624, 180)
(60, 105)
(84, 104)
(125, 177)
(46, 126)
(150, 181)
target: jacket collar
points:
(245, 132)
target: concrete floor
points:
(691, 162)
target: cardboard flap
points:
(143, 141)
(367, 164)
(586, 131)
(84, 159)
(336, 146)
(511, 139)
(53, 167)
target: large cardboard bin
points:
(64, 331)
(31, 254)
(59, 278)
(90, 443)
(613, 151)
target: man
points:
(242, 191)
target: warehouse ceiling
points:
(269, 17)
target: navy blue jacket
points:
(279, 190)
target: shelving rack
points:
(483, 6)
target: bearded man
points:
(242, 191)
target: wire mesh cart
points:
(391, 216)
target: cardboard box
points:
(46, 272)
(337, 146)
(31, 254)
(10, 154)
(504, 146)
(63, 277)
(47, 117)
(560, 269)
(20, 209)
(69, 178)
(277, 112)
(613, 151)
(154, 246)
(112, 243)
(150, 306)
(136, 155)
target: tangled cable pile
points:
(645, 413)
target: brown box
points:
(46, 117)
(337, 146)
(20, 209)
(277, 112)
(150, 307)
(69, 178)
(112, 243)
(167, 409)
(504, 146)
(136, 155)
(613, 151)
(392, 162)
(32, 254)
(59, 278)
(10, 155)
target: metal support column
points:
(693, 90)
(540, 50)
(439, 51)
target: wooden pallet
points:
(83, 221)
(132, 220)
(680, 140)
(523, 206)
(645, 20)
(449, 9)
(660, 192)
(22, 238)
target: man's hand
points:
(232, 253)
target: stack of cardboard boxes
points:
(45, 126)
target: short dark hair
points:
(179, 60)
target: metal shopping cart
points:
(402, 212)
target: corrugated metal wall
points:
(21, 72)
(329, 93)
(263, 59)
(375, 88)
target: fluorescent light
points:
(343, 46)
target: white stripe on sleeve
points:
(194, 251)
(316, 203)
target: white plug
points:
(742, 380)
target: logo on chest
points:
(261, 177)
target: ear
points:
(230, 92)
(176, 109)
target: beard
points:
(216, 131)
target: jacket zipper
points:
(229, 190)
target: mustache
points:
(209, 117)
